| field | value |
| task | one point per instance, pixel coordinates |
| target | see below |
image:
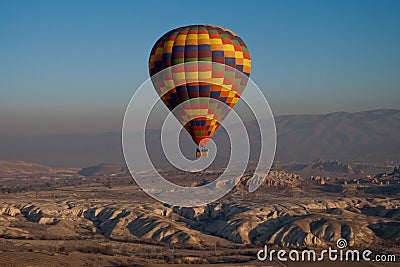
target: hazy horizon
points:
(370, 136)
(118, 129)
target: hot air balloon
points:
(202, 51)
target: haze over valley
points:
(368, 136)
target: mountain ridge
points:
(364, 136)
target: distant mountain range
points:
(368, 136)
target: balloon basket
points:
(201, 152)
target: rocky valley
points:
(98, 216)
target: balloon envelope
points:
(199, 53)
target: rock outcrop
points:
(317, 224)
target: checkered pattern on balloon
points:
(204, 70)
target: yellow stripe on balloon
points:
(215, 41)
(192, 37)
(231, 94)
(169, 43)
(217, 81)
(169, 83)
(229, 47)
(238, 54)
(203, 36)
(192, 75)
(205, 75)
(159, 50)
(181, 37)
(179, 76)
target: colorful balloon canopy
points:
(209, 63)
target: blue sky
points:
(72, 66)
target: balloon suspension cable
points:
(203, 149)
